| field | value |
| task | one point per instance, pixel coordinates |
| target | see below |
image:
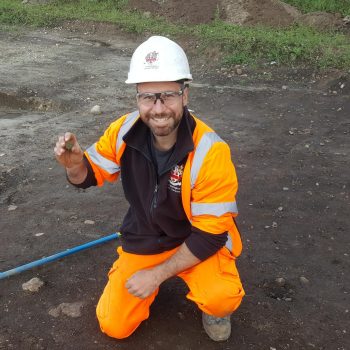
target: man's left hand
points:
(142, 283)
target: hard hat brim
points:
(137, 80)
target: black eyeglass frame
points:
(158, 95)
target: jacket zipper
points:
(154, 202)
(155, 197)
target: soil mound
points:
(259, 12)
(273, 13)
(191, 11)
(322, 20)
(250, 12)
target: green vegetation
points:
(295, 46)
(290, 46)
(333, 6)
(49, 15)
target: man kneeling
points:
(181, 184)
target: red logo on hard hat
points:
(152, 57)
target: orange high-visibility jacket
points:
(209, 181)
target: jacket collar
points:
(139, 135)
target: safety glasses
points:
(168, 98)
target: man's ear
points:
(185, 96)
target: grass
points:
(15, 13)
(293, 46)
(296, 46)
(333, 6)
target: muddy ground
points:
(290, 143)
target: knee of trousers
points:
(224, 302)
(113, 321)
(116, 329)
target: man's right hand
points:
(68, 152)
(70, 155)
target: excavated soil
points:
(289, 138)
(267, 12)
(271, 13)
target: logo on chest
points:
(175, 178)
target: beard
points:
(162, 124)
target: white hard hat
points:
(158, 59)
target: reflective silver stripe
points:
(201, 151)
(127, 124)
(229, 244)
(102, 162)
(216, 209)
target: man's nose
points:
(158, 105)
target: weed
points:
(333, 6)
(238, 45)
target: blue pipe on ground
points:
(57, 256)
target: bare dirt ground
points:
(290, 143)
(271, 13)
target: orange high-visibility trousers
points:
(214, 286)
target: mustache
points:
(160, 115)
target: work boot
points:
(217, 328)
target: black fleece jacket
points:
(156, 220)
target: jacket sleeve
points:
(90, 179)
(213, 203)
(203, 244)
(102, 155)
